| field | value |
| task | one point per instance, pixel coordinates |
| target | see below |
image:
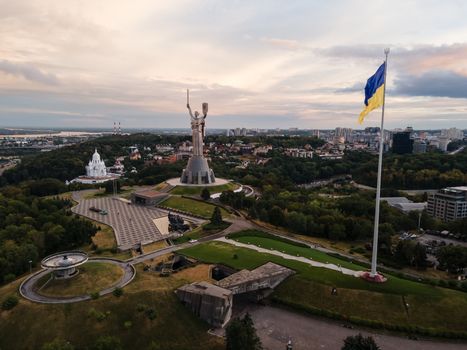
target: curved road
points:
(27, 287)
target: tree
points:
(276, 216)
(216, 218)
(359, 342)
(336, 232)
(241, 335)
(452, 258)
(58, 344)
(205, 194)
(118, 292)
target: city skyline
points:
(258, 64)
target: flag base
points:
(378, 278)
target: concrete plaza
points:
(131, 223)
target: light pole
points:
(419, 220)
(30, 266)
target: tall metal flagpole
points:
(374, 257)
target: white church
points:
(96, 172)
(96, 166)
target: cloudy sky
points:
(258, 63)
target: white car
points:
(193, 241)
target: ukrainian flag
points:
(374, 92)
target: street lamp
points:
(30, 266)
(419, 220)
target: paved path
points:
(275, 326)
(27, 287)
(308, 261)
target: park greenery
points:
(32, 227)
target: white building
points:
(96, 172)
(96, 166)
(452, 134)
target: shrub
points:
(118, 292)
(127, 324)
(151, 314)
(10, 302)
(95, 295)
(98, 315)
(141, 307)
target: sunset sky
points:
(259, 64)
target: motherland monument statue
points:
(197, 171)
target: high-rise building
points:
(402, 143)
(452, 134)
(345, 133)
(448, 204)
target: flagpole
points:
(374, 256)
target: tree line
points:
(33, 227)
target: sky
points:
(258, 63)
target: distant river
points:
(61, 134)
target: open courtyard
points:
(131, 223)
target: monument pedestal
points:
(197, 172)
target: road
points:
(275, 326)
(27, 289)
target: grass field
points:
(92, 277)
(270, 242)
(196, 190)
(312, 286)
(29, 325)
(105, 237)
(105, 241)
(192, 206)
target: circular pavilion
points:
(64, 265)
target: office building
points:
(402, 143)
(448, 204)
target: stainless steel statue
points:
(197, 171)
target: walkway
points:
(27, 287)
(311, 262)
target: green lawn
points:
(311, 286)
(192, 206)
(92, 277)
(196, 190)
(293, 249)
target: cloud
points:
(283, 43)
(28, 71)
(437, 83)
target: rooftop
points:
(267, 270)
(206, 288)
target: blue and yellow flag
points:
(374, 92)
